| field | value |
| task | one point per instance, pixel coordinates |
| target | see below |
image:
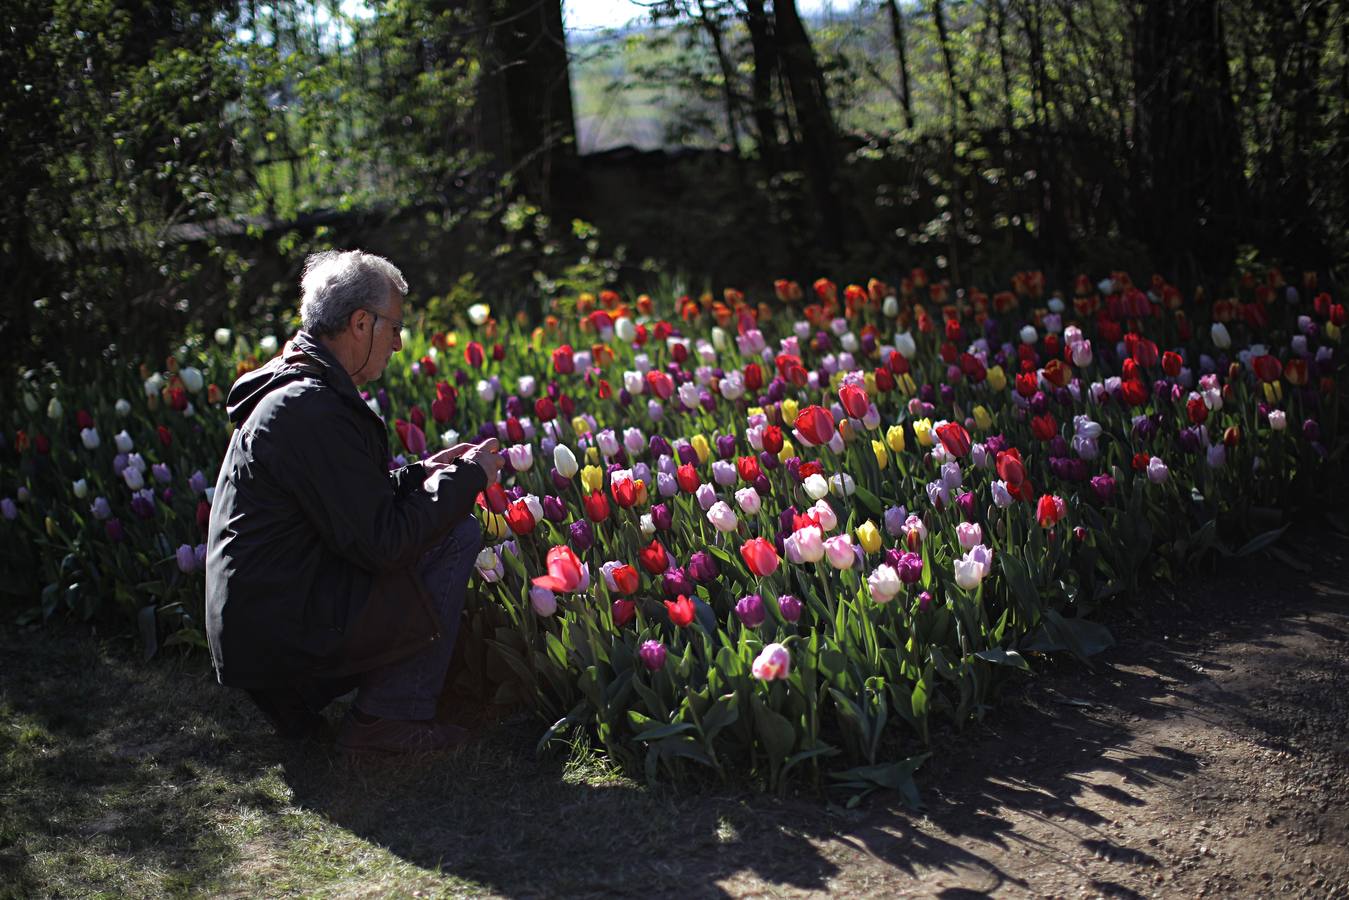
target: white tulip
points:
(54, 409)
(626, 330)
(222, 336)
(89, 436)
(80, 489)
(565, 461)
(1221, 339)
(123, 441)
(123, 408)
(478, 313)
(815, 486)
(192, 379)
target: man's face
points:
(387, 337)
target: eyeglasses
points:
(397, 323)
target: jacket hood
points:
(302, 357)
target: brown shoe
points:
(398, 736)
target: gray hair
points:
(336, 283)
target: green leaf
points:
(1261, 541)
(664, 731)
(1000, 657)
(896, 776)
(775, 732)
(870, 500)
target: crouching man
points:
(325, 571)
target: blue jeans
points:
(408, 689)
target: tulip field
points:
(776, 535)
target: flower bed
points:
(750, 537)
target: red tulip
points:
(494, 498)
(1171, 363)
(626, 579)
(545, 409)
(687, 477)
(428, 366)
(1057, 372)
(681, 611)
(1295, 371)
(1044, 427)
(753, 377)
(1196, 410)
(564, 570)
(83, 419)
(412, 437)
(596, 507)
(474, 355)
(747, 467)
(563, 360)
(1134, 391)
(854, 400)
(1027, 384)
(1010, 468)
(885, 382)
(1050, 510)
(165, 436)
(760, 555)
(954, 438)
(772, 439)
(653, 557)
(417, 417)
(1145, 352)
(625, 492)
(624, 612)
(203, 514)
(519, 518)
(660, 383)
(816, 425)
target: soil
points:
(1207, 754)
(1204, 755)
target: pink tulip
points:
(774, 662)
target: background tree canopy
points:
(169, 163)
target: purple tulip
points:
(101, 508)
(582, 536)
(787, 519)
(199, 554)
(197, 482)
(143, 504)
(560, 483)
(726, 446)
(750, 610)
(554, 510)
(9, 509)
(924, 601)
(687, 455)
(652, 654)
(910, 567)
(119, 464)
(763, 485)
(662, 517)
(894, 520)
(114, 530)
(187, 561)
(659, 446)
(674, 581)
(1057, 446)
(702, 567)
(790, 607)
(966, 503)
(1311, 430)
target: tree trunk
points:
(761, 86)
(902, 54)
(713, 28)
(525, 117)
(1187, 143)
(810, 103)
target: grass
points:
(123, 779)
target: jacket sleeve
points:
(348, 497)
(408, 478)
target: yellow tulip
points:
(882, 455)
(1273, 391)
(789, 411)
(787, 451)
(982, 418)
(451, 340)
(997, 378)
(871, 384)
(495, 525)
(592, 478)
(593, 455)
(922, 429)
(701, 448)
(1331, 331)
(869, 536)
(755, 411)
(580, 426)
(845, 430)
(894, 436)
(906, 384)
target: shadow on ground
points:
(145, 779)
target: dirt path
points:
(1207, 756)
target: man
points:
(325, 571)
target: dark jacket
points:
(313, 542)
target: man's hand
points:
(485, 454)
(445, 457)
